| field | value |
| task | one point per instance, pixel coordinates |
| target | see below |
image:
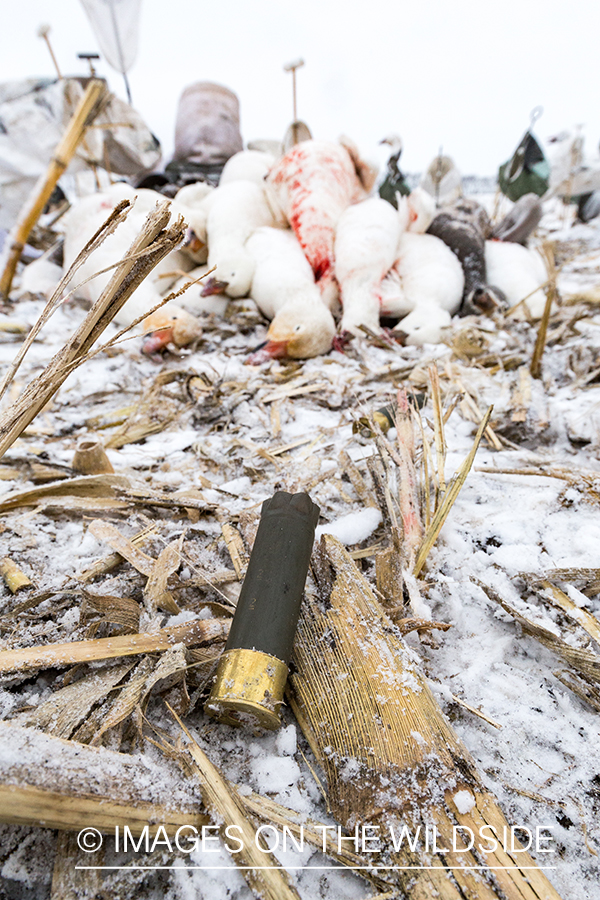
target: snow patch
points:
(353, 528)
(464, 802)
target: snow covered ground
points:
(225, 441)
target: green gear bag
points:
(527, 172)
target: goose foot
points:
(394, 337)
(341, 341)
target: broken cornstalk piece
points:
(88, 108)
(390, 757)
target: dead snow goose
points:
(84, 219)
(237, 209)
(193, 203)
(284, 289)
(169, 325)
(463, 227)
(366, 246)
(425, 285)
(247, 165)
(204, 296)
(312, 185)
(518, 272)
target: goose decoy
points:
(588, 206)
(520, 221)
(394, 181)
(442, 180)
(571, 173)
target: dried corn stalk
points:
(114, 559)
(14, 578)
(582, 617)
(145, 677)
(154, 242)
(585, 662)
(67, 707)
(53, 783)
(51, 655)
(536, 360)
(449, 498)
(84, 487)
(389, 755)
(260, 869)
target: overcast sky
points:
(462, 74)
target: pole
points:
(294, 93)
(87, 109)
(44, 32)
(291, 67)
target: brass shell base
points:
(248, 689)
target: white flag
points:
(116, 26)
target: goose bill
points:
(269, 350)
(192, 242)
(157, 341)
(213, 286)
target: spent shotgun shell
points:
(251, 675)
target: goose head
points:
(237, 270)
(169, 325)
(394, 141)
(298, 331)
(424, 325)
(213, 286)
(421, 210)
(484, 298)
(195, 246)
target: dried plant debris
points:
(586, 662)
(433, 466)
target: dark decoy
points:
(394, 181)
(463, 227)
(522, 219)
